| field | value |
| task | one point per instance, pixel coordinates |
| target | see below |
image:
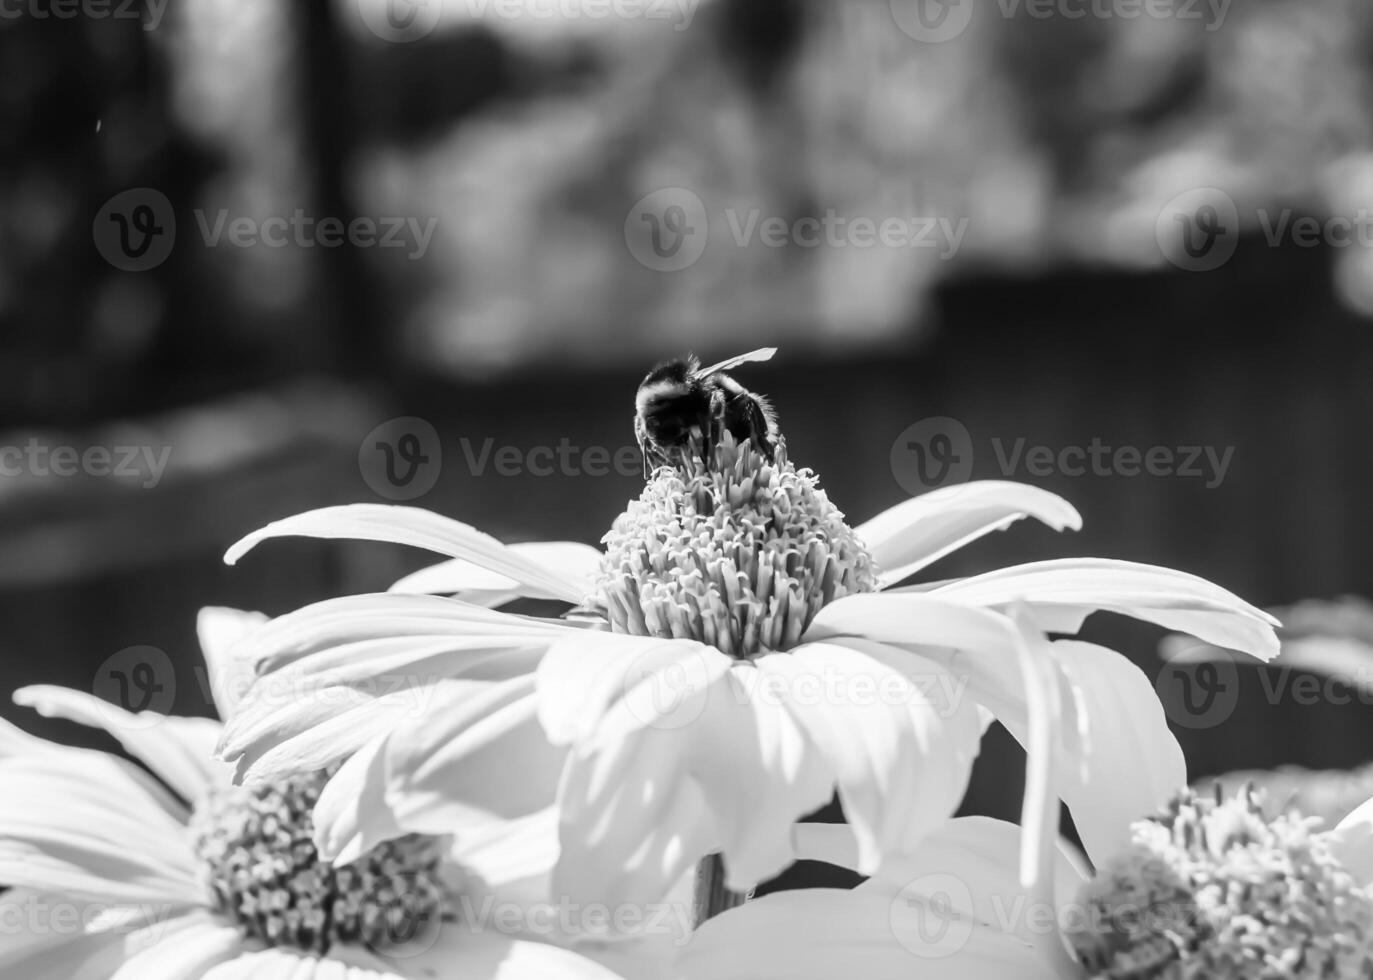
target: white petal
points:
(421, 529)
(822, 933)
(1128, 764)
(901, 751)
(587, 673)
(456, 766)
(832, 843)
(463, 954)
(760, 772)
(183, 949)
(338, 673)
(632, 822)
(1062, 594)
(980, 854)
(917, 532)
(508, 861)
(571, 561)
(93, 827)
(1352, 842)
(179, 750)
(220, 629)
(1002, 663)
(351, 815)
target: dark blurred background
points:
(168, 285)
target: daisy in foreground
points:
(1208, 888)
(755, 654)
(115, 873)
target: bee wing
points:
(761, 354)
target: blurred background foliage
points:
(527, 321)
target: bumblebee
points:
(680, 406)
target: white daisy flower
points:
(757, 654)
(1207, 888)
(173, 872)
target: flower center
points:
(1214, 889)
(264, 872)
(740, 554)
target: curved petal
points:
(382, 616)
(917, 532)
(183, 949)
(1002, 661)
(900, 746)
(179, 750)
(93, 827)
(1127, 763)
(461, 954)
(338, 673)
(822, 933)
(454, 769)
(1060, 595)
(587, 673)
(977, 855)
(220, 629)
(508, 861)
(1352, 842)
(420, 529)
(571, 561)
(832, 843)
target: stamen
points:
(741, 553)
(262, 867)
(1214, 889)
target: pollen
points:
(260, 863)
(740, 552)
(1214, 889)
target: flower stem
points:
(712, 897)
